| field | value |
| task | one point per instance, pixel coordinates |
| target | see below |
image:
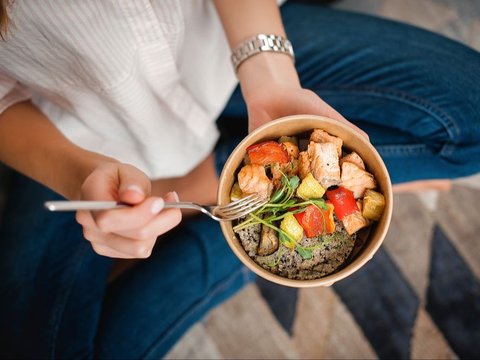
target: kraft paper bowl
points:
(353, 141)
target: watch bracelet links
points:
(258, 44)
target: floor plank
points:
(408, 240)
(244, 328)
(324, 328)
(196, 344)
(458, 215)
(427, 341)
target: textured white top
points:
(141, 81)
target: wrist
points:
(263, 72)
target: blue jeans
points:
(414, 92)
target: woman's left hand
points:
(271, 89)
(286, 101)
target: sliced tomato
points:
(343, 202)
(315, 221)
(267, 153)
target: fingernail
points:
(135, 188)
(157, 205)
(175, 196)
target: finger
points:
(160, 224)
(111, 245)
(102, 184)
(113, 221)
(133, 244)
(122, 246)
(109, 252)
(317, 106)
(119, 182)
(134, 185)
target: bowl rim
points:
(330, 279)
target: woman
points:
(118, 101)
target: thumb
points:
(257, 116)
(134, 185)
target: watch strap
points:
(260, 43)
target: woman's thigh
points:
(51, 282)
(149, 307)
(414, 92)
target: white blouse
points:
(141, 81)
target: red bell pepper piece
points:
(329, 221)
(343, 202)
(315, 221)
(267, 153)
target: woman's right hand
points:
(126, 232)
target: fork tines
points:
(241, 207)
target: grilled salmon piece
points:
(292, 149)
(289, 169)
(356, 179)
(252, 179)
(324, 163)
(321, 136)
(354, 158)
(354, 222)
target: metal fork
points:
(232, 211)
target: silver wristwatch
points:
(260, 43)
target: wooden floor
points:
(245, 328)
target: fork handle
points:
(65, 205)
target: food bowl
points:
(353, 141)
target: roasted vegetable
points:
(291, 139)
(267, 153)
(268, 241)
(291, 227)
(315, 221)
(329, 221)
(373, 205)
(343, 202)
(236, 193)
(310, 188)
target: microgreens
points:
(280, 204)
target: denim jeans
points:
(415, 93)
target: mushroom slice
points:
(268, 241)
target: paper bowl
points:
(353, 141)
